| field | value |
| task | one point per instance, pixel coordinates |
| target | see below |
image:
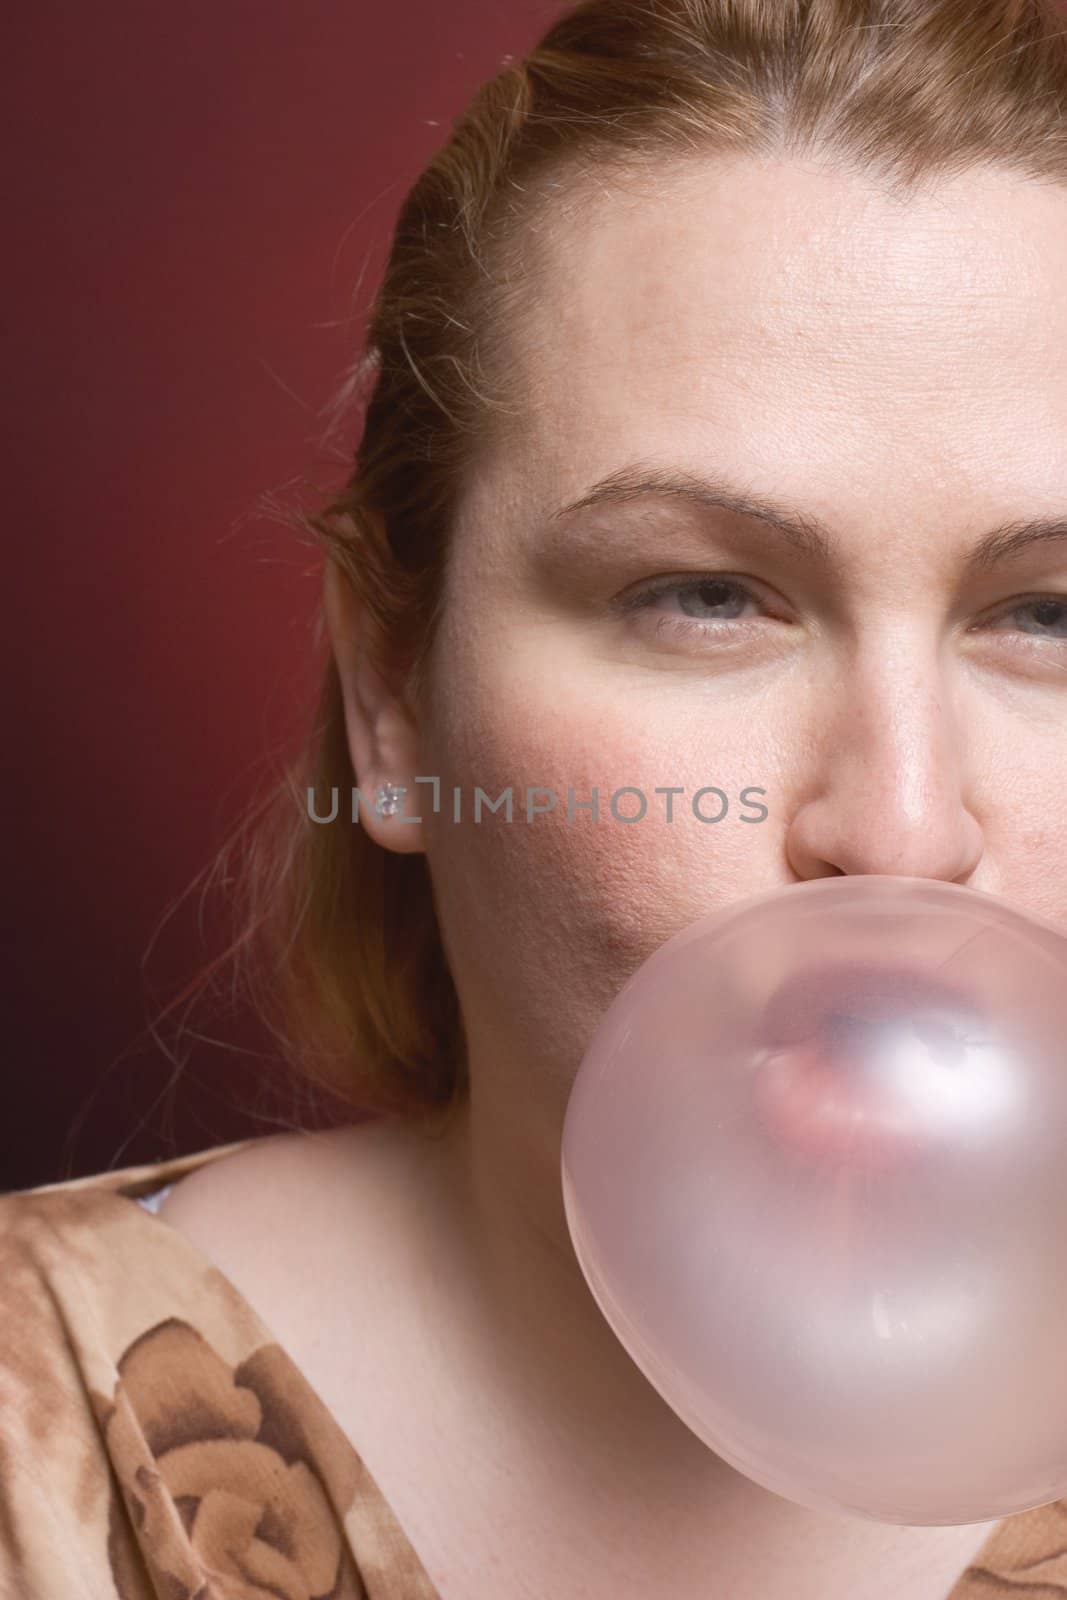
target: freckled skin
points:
(897, 369)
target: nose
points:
(882, 785)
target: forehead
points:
(797, 316)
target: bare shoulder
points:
(289, 1214)
(323, 1236)
(262, 1164)
(287, 1181)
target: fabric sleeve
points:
(60, 1536)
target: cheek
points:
(578, 905)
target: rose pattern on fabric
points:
(213, 1465)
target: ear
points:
(381, 732)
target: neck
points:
(587, 1431)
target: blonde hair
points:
(336, 938)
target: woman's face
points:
(892, 377)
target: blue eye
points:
(702, 598)
(1049, 610)
(705, 598)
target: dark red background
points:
(191, 193)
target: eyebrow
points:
(799, 529)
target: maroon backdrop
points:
(192, 194)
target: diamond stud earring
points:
(388, 798)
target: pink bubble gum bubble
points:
(852, 1049)
(813, 1166)
(816, 1107)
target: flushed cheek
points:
(574, 906)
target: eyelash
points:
(644, 598)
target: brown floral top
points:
(157, 1443)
